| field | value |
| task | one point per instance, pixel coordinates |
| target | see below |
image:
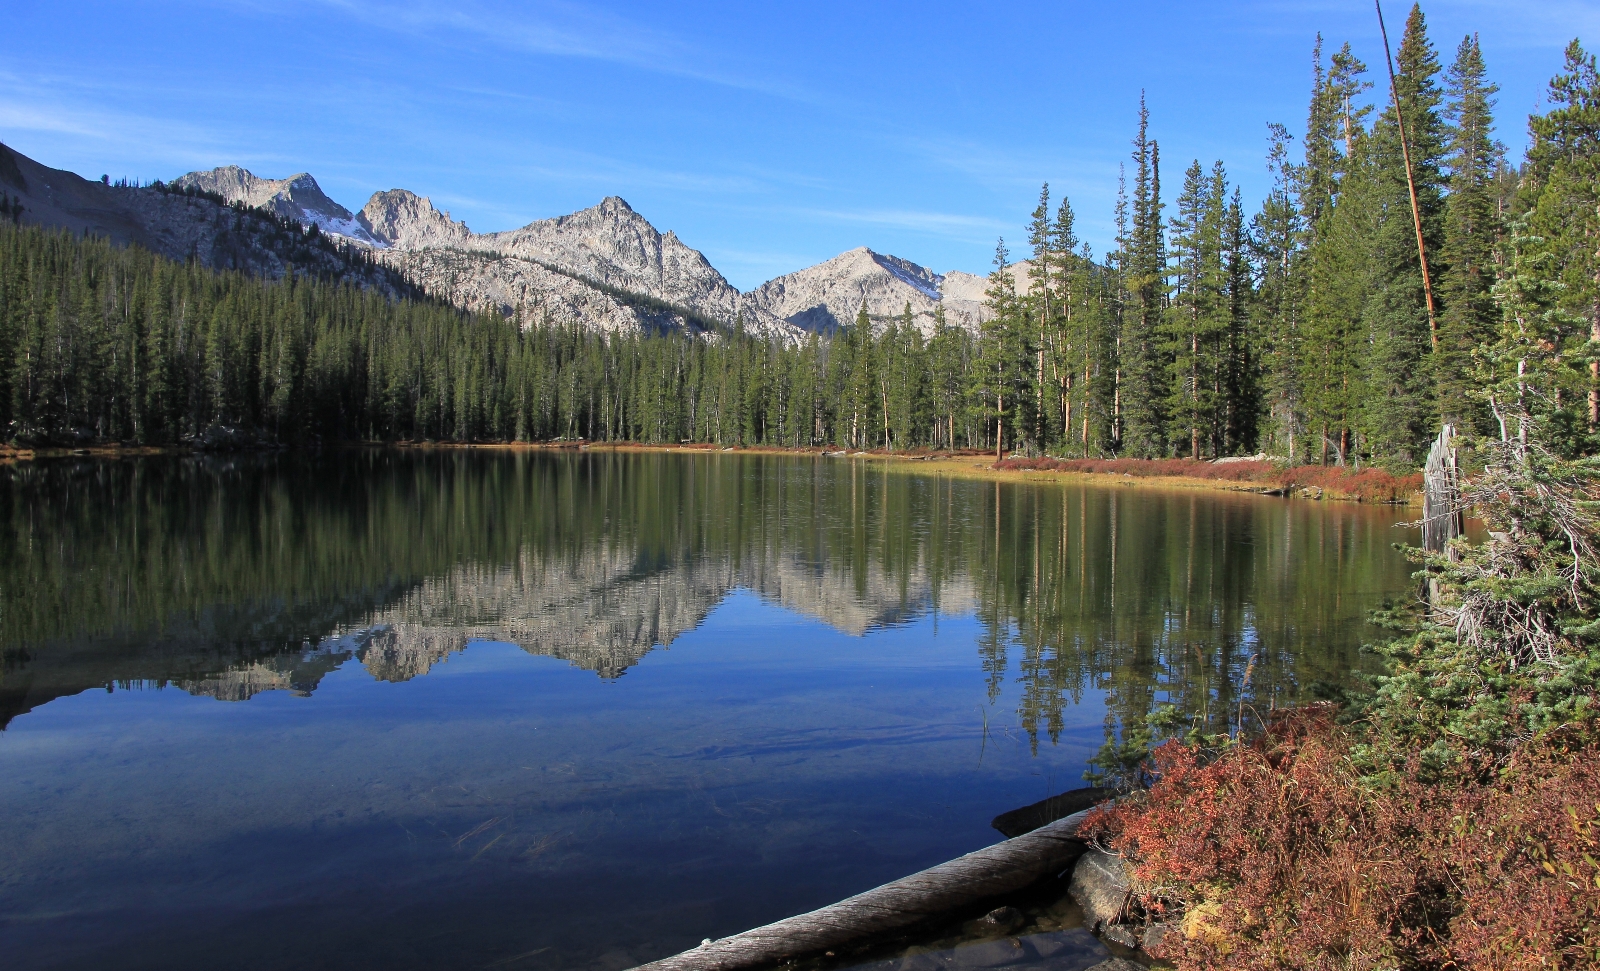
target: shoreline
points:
(960, 464)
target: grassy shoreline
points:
(1250, 477)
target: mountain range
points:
(605, 267)
(610, 244)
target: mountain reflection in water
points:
(826, 717)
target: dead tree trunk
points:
(1442, 519)
(1441, 493)
(994, 870)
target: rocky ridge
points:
(828, 296)
(582, 268)
(187, 222)
(298, 197)
(605, 267)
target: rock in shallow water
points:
(1074, 950)
(1100, 886)
(1003, 918)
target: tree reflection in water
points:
(229, 576)
(440, 801)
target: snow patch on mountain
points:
(921, 279)
(347, 228)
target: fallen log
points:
(992, 871)
(1045, 811)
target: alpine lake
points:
(452, 709)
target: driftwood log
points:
(990, 872)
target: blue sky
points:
(769, 136)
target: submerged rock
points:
(1074, 950)
(1003, 918)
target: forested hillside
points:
(1307, 330)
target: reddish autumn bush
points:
(1147, 468)
(1368, 485)
(1279, 855)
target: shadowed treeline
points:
(228, 577)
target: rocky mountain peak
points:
(609, 244)
(406, 220)
(828, 296)
(298, 197)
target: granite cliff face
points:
(614, 245)
(587, 268)
(410, 222)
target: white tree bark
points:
(994, 870)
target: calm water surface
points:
(548, 711)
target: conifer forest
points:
(1309, 329)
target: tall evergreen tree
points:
(1276, 240)
(1560, 196)
(1400, 407)
(1333, 262)
(1197, 321)
(1471, 236)
(1144, 367)
(1043, 310)
(1000, 373)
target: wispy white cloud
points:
(949, 225)
(42, 107)
(748, 269)
(1006, 169)
(582, 168)
(554, 28)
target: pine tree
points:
(1144, 369)
(1334, 266)
(1240, 382)
(948, 376)
(1472, 234)
(1042, 311)
(1317, 181)
(1000, 371)
(1560, 196)
(1074, 337)
(1276, 235)
(858, 409)
(905, 363)
(1199, 317)
(1399, 404)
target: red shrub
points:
(1285, 859)
(1368, 485)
